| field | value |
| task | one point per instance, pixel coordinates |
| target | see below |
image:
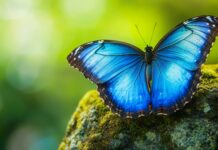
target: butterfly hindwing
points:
(128, 89)
(177, 61)
(119, 71)
(172, 86)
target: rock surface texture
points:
(94, 126)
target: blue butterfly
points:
(161, 80)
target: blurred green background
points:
(38, 89)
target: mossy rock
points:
(94, 126)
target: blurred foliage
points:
(38, 89)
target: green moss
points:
(94, 126)
(209, 78)
(195, 133)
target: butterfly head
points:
(148, 48)
(148, 54)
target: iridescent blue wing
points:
(177, 61)
(119, 71)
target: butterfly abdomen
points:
(149, 76)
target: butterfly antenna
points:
(140, 34)
(153, 32)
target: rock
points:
(94, 126)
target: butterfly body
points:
(162, 80)
(148, 54)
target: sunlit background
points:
(38, 89)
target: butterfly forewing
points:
(177, 61)
(119, 71)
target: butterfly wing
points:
(177, 60)
(119, 71)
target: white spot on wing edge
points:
(186, 22)
(195, 18)
(209, 18)
(76, 51)
(101, 41)
(90, 42)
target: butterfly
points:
(161, 80)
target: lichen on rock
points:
(94, 126)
